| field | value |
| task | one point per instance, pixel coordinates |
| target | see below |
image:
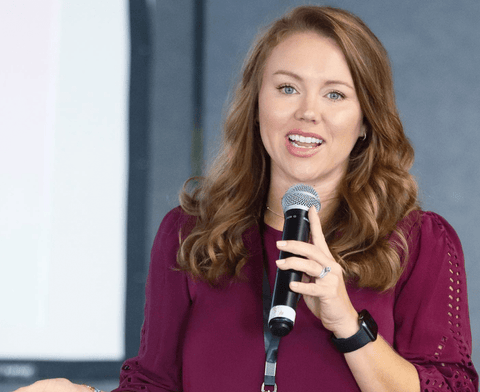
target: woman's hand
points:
(326, 297)
(54, 385)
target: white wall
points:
(63, 178)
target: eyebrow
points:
(299, 78)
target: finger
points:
(309, 251)
(310, 289)
(316, 230)
(309, 267)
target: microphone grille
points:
(300, 196)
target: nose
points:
(308, 110)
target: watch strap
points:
(361, 338)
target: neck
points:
(274, 218)
(274, 213)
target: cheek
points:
(346, 124)
(267, 117)
(262, 110)
(263, 119)
(273, 112)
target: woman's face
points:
(309, 113)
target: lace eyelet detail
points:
(450, 376)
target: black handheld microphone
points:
(295, 203)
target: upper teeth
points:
(303, 139)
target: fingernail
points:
(294, 284)
(281, 243)
(280, 262)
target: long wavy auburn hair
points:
(376, 193)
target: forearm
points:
(378, 368)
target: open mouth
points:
(304, 142)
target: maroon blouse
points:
(201, 338)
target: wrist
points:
(349, 328)
(367, 332)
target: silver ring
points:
(93, 389)
(324, 272)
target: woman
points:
(315, 106)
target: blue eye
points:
(335, 95)
(289, 90)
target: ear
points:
(362, 134)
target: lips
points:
(302, 144)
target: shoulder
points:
(176, 225)
(433, 245)
(426, 228)
(176, 221)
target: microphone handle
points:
(284, 301)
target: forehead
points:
(309, 53)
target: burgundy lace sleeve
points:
(432, 325)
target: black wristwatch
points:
(368, 333)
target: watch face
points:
(369, 323)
